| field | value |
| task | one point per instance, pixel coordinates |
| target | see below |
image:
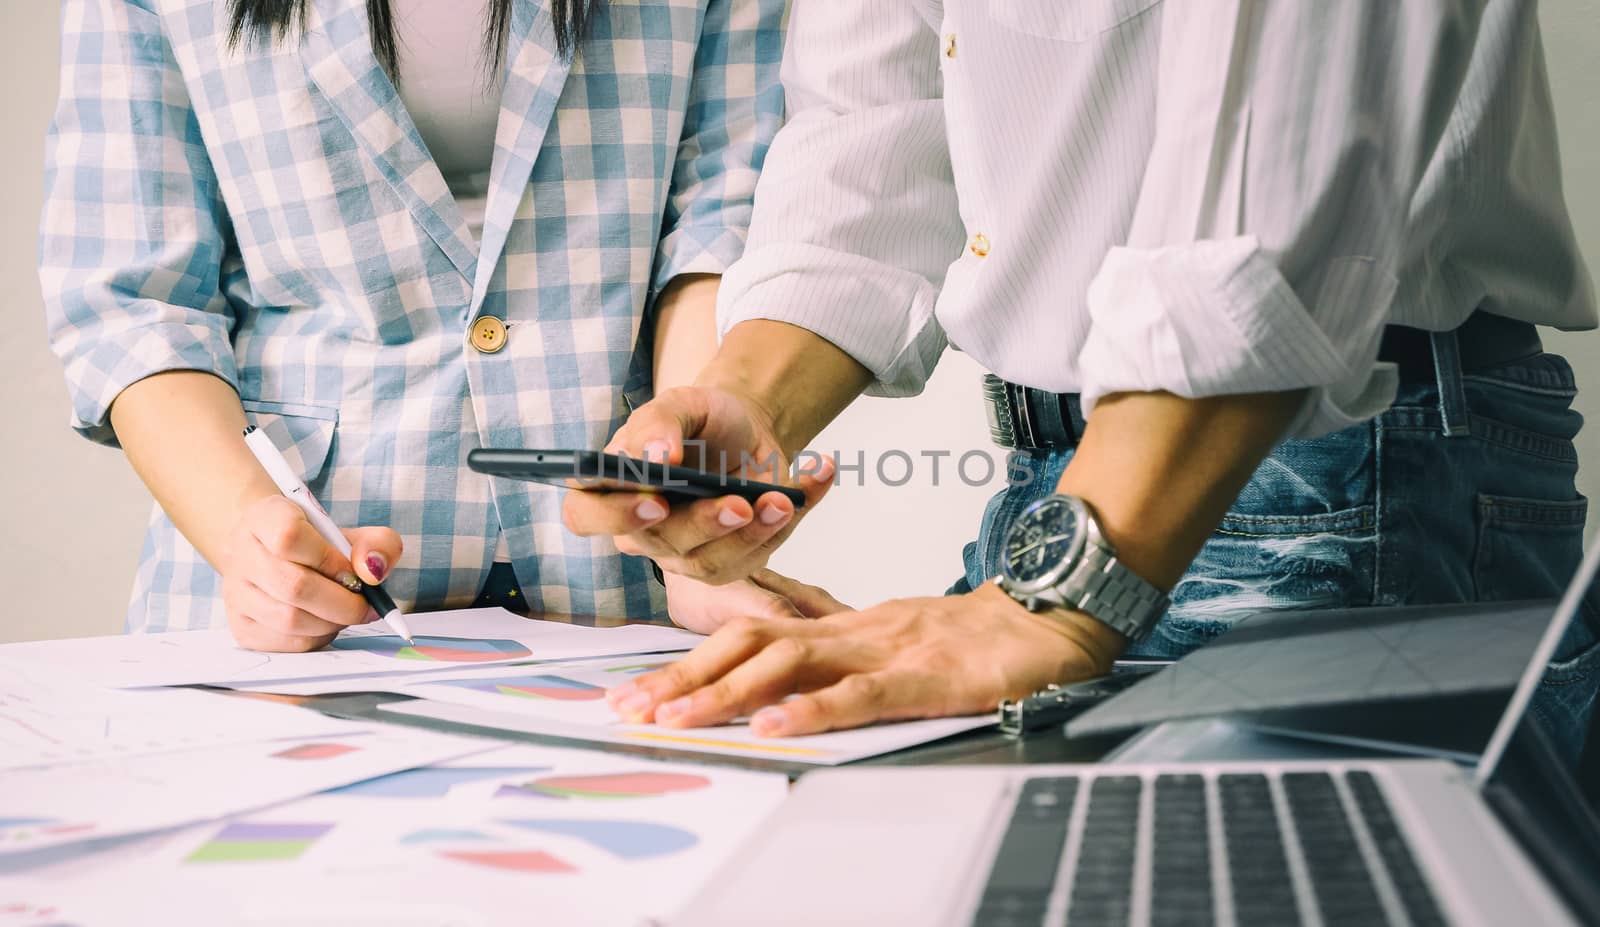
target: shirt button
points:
(949, 44)
(979, 245)
(488, 334)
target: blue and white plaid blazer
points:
(270, 215)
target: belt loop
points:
(1072, 411)
(1452, 386)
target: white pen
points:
(290, 485)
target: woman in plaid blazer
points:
(253, 232)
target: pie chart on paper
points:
(434, 649)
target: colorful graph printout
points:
(514, 860)
(430, 781)
(623, 839)
(618, 785)
(428, 648)
(595, 722)
(247, 842)
(31, 828)
(638, 669)
(426, 851)
(436, 835)
(325, 751)
(556, 688)
(524, 791)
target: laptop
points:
(1418, 842)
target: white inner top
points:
(452, 96)
(454, 100)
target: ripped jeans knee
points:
(1238, 573)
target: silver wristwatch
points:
(1055, 555)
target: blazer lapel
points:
(535, 75)
(338, 57)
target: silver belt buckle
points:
(1009, 426)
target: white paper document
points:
(443, 640)
(568, 700)
(53, 806)
(44, 722)
(520, 835)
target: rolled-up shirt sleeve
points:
(133, 233)
(855, 216)
(1264, 249)
(735, 108)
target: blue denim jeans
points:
(1394, 512)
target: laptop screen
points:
(1516, 712)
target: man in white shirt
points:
(1178, 233)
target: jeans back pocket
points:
(1527, 548)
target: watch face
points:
(1042, 542)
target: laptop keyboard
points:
(1180, 863)
(1188, 854)
(1258, 869)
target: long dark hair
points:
(264, 20)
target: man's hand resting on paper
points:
(716, 540)
(704, 608)
(908, 658)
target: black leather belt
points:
(1024, 418)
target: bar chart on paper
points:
(537, 685)
(247, 842)
(318, 751)
(434, 649)
(611, 785)
(429, 781)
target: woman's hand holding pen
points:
(287, 589)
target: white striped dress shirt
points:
(1204, 197)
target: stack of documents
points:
(124, 800)
(483, 667)
(568, 700)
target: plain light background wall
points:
(73, 514)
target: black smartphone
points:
(611, 472)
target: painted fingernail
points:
(377, 566)
(769, 722)
(824, 471)
(634, 705)
(657, 451)
(372, 615)
(676, 708)
(771, 515)
(650, 510)
(729, 518)
(348, 580)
